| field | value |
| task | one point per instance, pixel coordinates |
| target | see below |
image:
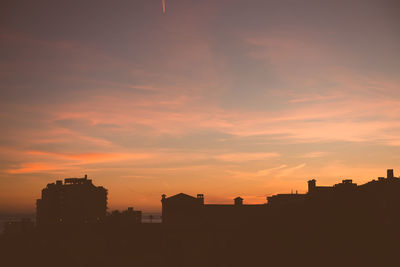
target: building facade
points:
(186, 209)
(75, 201)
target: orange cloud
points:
(34, 168)
(241, 157)
(86, 158)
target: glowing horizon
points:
(225, 98)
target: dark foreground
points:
(328, 241)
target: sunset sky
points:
(224, 98)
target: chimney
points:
(312, 184)
(238, 201)
(200, 197)
(85, 176)
(390, 174)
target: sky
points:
(227, 98)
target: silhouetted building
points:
(182, 208)
(126, 217)
(75, 201)
(346, 184)
(185, 209)
(342, 197)
(281, 200)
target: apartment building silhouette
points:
(75, 201)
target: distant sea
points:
(155, 219)
(4, 218)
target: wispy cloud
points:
(241, 157)
(267, 172)
(36, 167)
(288, 171)
(312, 98)
(270, 173)
(314, 154)
(87, 158)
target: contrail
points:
(163, 6)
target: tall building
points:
(75, 201)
